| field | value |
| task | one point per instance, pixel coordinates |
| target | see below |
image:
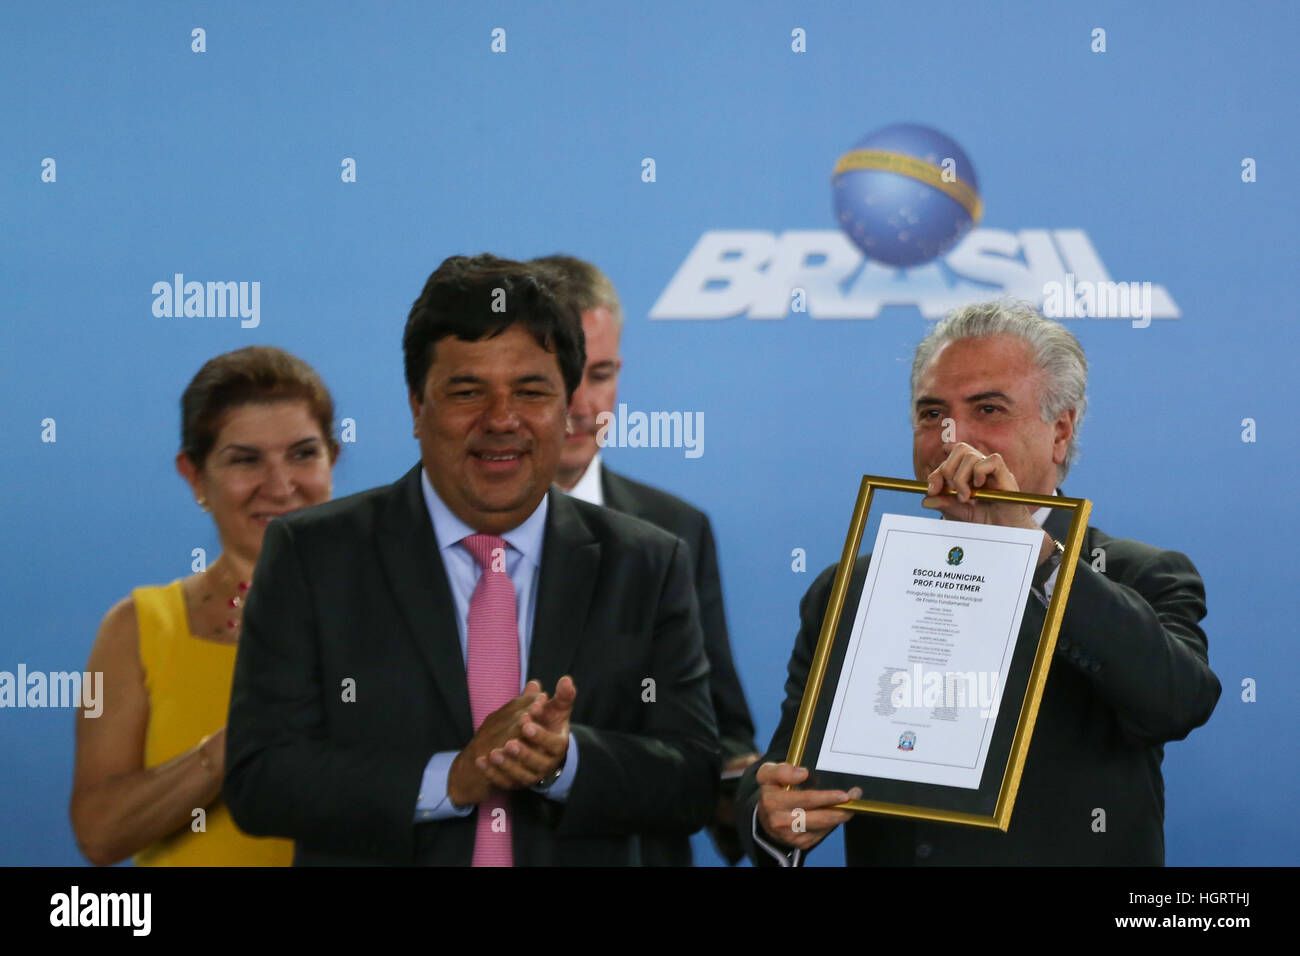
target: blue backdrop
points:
(229, 165)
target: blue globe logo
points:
(905, 194)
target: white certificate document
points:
(933, 637)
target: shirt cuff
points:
(433, 802)
(783, 857)
(1045, 595)
(1050, 584)
(559, 791)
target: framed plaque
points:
(924, 690)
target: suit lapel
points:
(409, 554)
(570, 563)
(616, 493)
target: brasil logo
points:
(955, 556)
(905, 194)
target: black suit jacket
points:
(1131, 672)
(735, 726)
(355, 591)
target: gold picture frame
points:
(1027, 713)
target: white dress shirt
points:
(589, 488)
(523, 564)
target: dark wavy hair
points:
(256, 374)
(478, 297)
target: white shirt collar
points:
(526, 538)
(1041, 515)
(588, 487)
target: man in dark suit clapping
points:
(463, 667)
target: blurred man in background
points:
(581, 472)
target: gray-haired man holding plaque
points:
(998, 393)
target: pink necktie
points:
(493, 674)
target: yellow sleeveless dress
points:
(188, 681)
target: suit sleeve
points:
(1139, 641)
(735, 725)
(811, 611)
(663, 778)
(284, 776)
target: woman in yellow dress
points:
(256, 442)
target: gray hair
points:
(580, 284)
(1056, 352)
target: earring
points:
(568, 427)
(203, 504)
